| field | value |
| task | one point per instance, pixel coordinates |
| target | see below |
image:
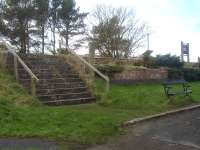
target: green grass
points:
(148, 98)
(11, 91)
(22, 116)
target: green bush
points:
(189, 75)
(110, 69)
(139, 63)
(174, 74)
(168, 61)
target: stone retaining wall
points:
(142, 75)
(108, 60)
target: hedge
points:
(185, 73)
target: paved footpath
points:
(178, 132)
(26, 144)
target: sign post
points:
(185, 51)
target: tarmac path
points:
(176, 132)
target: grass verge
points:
(22, 116)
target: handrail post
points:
(16, 67)
(107, 85)
(84, 69)
(33, 87)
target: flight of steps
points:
(58, 83)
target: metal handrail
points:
(106, 78)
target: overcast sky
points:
(170, 20)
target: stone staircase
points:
(58, 83)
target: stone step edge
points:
(160, 115)
(75, 88)
(69, 100)
(50, 79)
(66, 94)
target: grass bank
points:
(22, 116)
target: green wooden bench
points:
(168, 85)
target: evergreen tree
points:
(54, 20)
(71, 21)
(17, 23)
(42, 17)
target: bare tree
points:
(116, 32)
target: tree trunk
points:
(67, 41)
(27, 44)
(43, 36)
(67, 35)
(23, 44)
(54, 39)
(54, 42)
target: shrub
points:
(138, 63)
(168, 61)
(148, 60)
(110, 69)
(174, 74)
(188, 74)
(191, 74)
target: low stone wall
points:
(108, 60)
(141, 75)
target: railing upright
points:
(17, 61)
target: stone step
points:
(44, 81)
(61, 90)
(36, 69)
(69, 75)
(49, 75)
(56, 85)
(64, 69)
(52, 80)
(36, 56)
(53, 62)
(64, 96)
(59, 85)
(39, 75)
(69, 101)
(42, 66)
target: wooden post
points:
(16, 68)
(84, 68)
(91, 56)
(107, 86)
(33, 87)
(199, 61)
